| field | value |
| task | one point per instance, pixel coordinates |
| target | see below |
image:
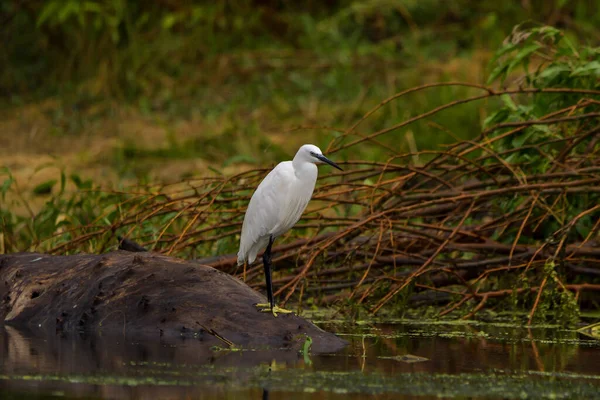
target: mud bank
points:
(144, 293)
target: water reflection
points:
(108, 366)
(465, 348)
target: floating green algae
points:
(489, 385)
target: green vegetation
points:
(243, 72)
(473, 385)
(134, 99)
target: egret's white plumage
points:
(276, 206)
(278, 202)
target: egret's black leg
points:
(270, 306)
(267, 264)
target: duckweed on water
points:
(493, 385)
(501, 332)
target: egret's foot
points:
(266, 307)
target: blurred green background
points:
(124, 91)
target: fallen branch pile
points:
(510, 216)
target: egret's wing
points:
(296, 199)
(265, 207)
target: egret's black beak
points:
(327, 161)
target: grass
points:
(158, 104)
(225, 129)
(142, 99)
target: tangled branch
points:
(480, 221)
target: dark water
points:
(391, 360)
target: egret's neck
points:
(305, 171)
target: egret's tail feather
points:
(240, 260)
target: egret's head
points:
(311, 153)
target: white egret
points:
(276, 206)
